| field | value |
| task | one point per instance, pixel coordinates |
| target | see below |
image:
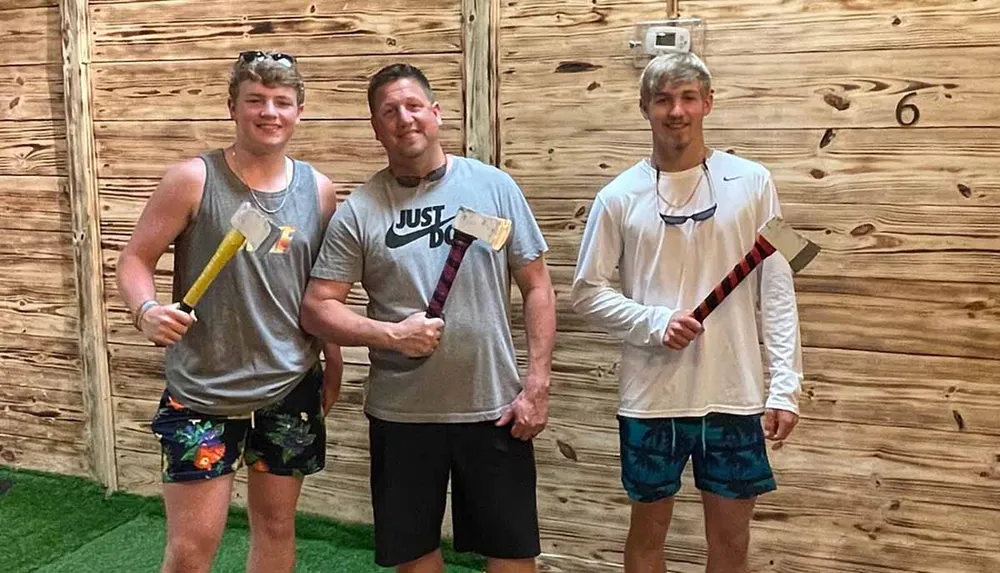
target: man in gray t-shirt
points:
(444, 397)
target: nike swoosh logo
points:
(731, 178)
(394, 241)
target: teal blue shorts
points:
(728, 452)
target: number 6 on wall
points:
(902, 106)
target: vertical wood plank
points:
(479, 75)
(82, 171)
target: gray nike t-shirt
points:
(395, 241)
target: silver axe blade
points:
(494, 231)
(796, 249)
(260, 232)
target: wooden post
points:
(96, 378)
(673, 8)
(480, 50)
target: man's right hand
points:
(683, 328)
(417, 336)
(165, 324)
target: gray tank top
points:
(247, 350)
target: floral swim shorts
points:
(287, 438)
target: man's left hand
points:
(332, 377)
(778, 424)
(529, 412)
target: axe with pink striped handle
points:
(468, 226)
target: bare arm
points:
(530, 410)
(333, 373)
(325, 315)
(169, 210)
(540, 321)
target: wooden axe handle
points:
(760, 251)
(459, 245)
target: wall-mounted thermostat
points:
(651, 39)
(660, 39)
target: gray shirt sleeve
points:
(526, 242)
(341, 256)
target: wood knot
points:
(965, 190)
(838, 102)
(14, 102)
(896, 21)
(862, 230)
(817, 173)
(576, 67)
(827, 138)
(959, 420)
(593, 86)
(566, 450)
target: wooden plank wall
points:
(41, 405)
(896, 464)
(160, 80)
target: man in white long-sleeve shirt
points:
(673, 225)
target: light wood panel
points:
(39, 363)
(34, 204)
(578, 30)
(168, 30)
(43, 414)
(947, 166)
(38, 286)
(32, 147)
(31, 92)
(336, 87)
(29, 35)
(809, 90)
(33, 453)
(15, 4)
(346, 150)
(775, 26)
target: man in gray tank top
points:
(244, 383)
(462, 411)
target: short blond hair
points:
(673, 68)
(268, 72)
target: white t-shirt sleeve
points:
(593, 296)
(779, 316)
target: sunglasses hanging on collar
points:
(414, 180)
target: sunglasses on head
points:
(252, 56)
(414, 180)
(674, 220)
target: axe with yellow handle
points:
(248, 226)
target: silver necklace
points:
(701, 175)
(253, 194)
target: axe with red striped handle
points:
(775, 236)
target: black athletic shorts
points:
(492, 473)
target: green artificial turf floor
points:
(60, 524)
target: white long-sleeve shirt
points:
(667, 269)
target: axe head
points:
(493, 230)
(259, 231)
(797, 250)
